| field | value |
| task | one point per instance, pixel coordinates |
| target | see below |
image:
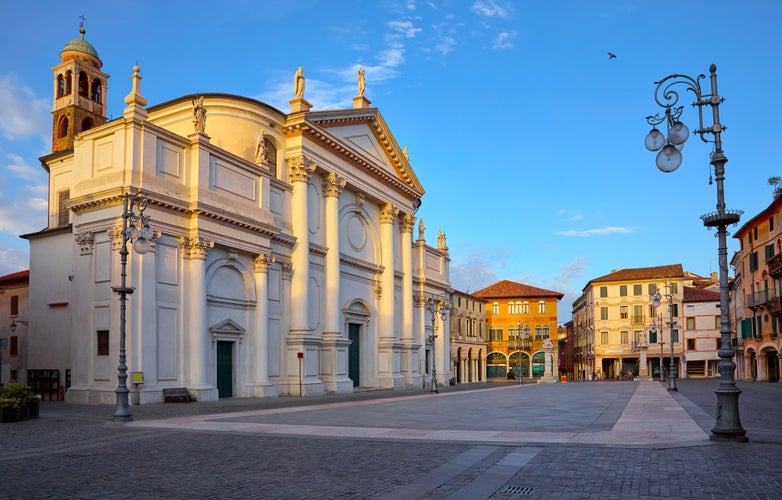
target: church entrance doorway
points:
(225, 369)
(354, 353)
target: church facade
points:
(285, 256)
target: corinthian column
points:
(333, 184)
(389, 348)
(409, 366)
(301, 169)
(194, 251)
(387, 217)
(334, 348)
(258, 349)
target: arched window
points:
(545, 331)
(525, 307)
(97, 89)
(60, 86)
(68, 82)
(541, 307)
(271, 156)
(62, 127)
(495, 308)
(511, 308)
(538, 332)
(84, 84)
(87, 124)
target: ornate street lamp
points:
(435, 307)
(653, 333)
(655, 298)
(135, 228)
(728, 425)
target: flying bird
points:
(611, 55)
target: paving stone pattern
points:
(214, 452)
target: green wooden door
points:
(225, 369)
(354, 353)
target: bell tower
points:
(79, 92)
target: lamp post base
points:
(122, 412)
(728, 426)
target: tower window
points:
(68, 82)
(84, 84)
(60, 86)
(62, 128)
(96, 90)
(87, 124)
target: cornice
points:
(114, 197)
(361, 264)
(406, 185)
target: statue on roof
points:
(199, 115)
(261, 150)
(421, 229)
(361, 82)
(404, 152)
(298, 83)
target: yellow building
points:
(513, 308)
(756, 295)
(619, 330)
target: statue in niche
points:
(421, 229)
(261, 150)
(361, 82)
(199, 115)
(298, 83)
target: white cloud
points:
(596, 232)
(20, 168)
(13, 260)
(405, 28)
(570, 215)
(488, 8)
(22, 113)
(471, 272)
(30, 201)
(504, 40)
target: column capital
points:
(301, 168)
(407, 223)
(262, 261)
(388, 213)
(195, 248)
(86, 241)
(333, 184)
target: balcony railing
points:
(774, 264)
(765, 298)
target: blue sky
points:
(527, 138)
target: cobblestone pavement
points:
(77, 452)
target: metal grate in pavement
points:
(517, 490)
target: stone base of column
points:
(334, 363)
(389, 362)
(266, 390)
(205, 394)
(410, 360)
(303, 360)
(550, 379)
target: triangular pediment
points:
(227, 326)
(366, 133)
